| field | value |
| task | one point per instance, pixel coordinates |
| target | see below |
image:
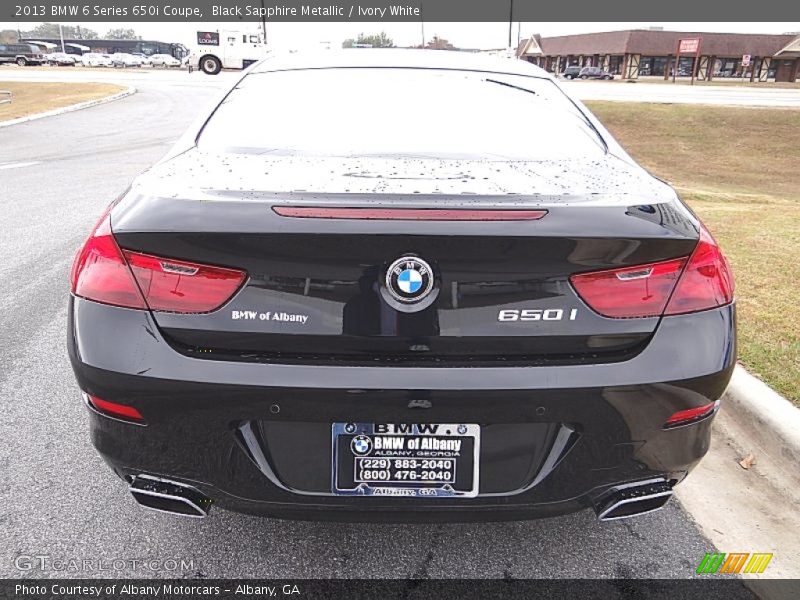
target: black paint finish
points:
(241, 408)
(195, 408)
(334, 273)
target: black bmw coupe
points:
(400, 285)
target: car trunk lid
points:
(316, 287)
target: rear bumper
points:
(556, 438)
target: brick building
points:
(642, 52)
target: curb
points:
(766, 418)
(129, 91)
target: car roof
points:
(398, 58)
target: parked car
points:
(146, 60)
(164, 60)
(400, 351)
(61, 59)
(22, 54)
(94, 59)
(594, 73)
(571, 72)
(123, 59)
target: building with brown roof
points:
(644, 52)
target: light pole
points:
(263, 22)
(61, 34)
(422, 22)
(510, 20)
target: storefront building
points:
(652, 53)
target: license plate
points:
(426, 460)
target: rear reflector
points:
(114, 409)
(684, 417)
(682, 285)
(407, 214)
(103, 273)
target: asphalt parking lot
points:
(57, 498)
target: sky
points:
(463, 35)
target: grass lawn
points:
(34, 97)
(739, 169)
(720, 81)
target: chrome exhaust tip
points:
(170, 497)
(633, 499)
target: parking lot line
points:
(17, 165)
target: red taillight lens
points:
(640, 291)
(114, 409)
(103, 273)
(178, 286)
(99, 272)
(671, 287)
(684, 417)
(707, 281)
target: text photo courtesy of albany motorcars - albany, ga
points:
(365, 299)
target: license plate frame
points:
(412, 460)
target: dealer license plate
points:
(422, 460)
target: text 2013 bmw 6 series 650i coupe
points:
(400, 285)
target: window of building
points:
(685, 66)
(653, 65)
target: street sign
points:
(745, 60)
(686, 46)
(689, 45)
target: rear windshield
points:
(408, 113)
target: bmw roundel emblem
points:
(361, 445)
(409, 279)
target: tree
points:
(8, 36)
(85, 34)
(122, 34)
(438, 43)
(375, 40)
(51, 30)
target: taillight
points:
(104, 273)
(682, 285)
(707, 281)
(640, 291)
(178, 286)
(99, 272)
